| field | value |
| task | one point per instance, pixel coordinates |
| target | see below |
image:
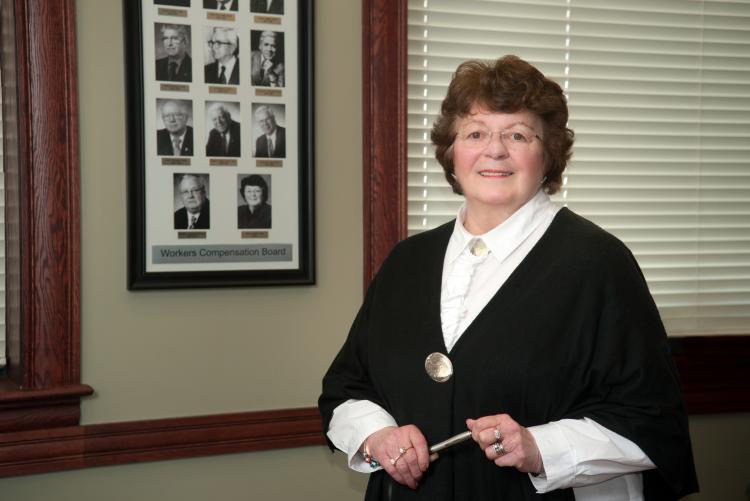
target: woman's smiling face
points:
(501, 176)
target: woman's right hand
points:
(401, 451)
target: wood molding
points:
(384, 127)
(714, 372)
(35, 409)
(75, 447)
(42, 387)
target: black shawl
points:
(572, 333)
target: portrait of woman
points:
(256, 211)
(519, 322)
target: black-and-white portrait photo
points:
(174, 3)
(230, 5)
(267, 6)
(174, 133)
(270, 136)
(254, 203)
(222, 55)
(172, 44)
(267, 58)
(223, 126)
(193, 210)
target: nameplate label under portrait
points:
(180, 254)
(172, 12)
(254, 234)
(269, 163)
(222, 90)
(191, 234)
(219, 16)
(175, 161)
(268, 92)
(174, 87)
(267, 20)
(220, 162)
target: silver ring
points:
(498, 449)
(498, 436)
(401, 452)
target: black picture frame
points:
(163, 253)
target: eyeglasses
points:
(213, 43)
(477, 136)
(171, 39)
(193, 192)
(172, 116)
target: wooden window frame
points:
(42, 386)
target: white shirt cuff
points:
(581, 452)
(352, 422)
(558, 458)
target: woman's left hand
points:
(515, 447)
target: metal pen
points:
(454, 440)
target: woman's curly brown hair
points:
(507, 85)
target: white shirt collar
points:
(504, 238)
(180, 136)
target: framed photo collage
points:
(220, 185)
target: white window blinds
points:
(659, 97)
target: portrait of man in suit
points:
(176, 138)
(220, 4)
(271, 143)
(223, 47)
(224, 137)
(195, 213)
(267, 59)
(173, 61)
(267, 6)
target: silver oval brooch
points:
(438, 367)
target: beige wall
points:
(220, 350)
(175, 353)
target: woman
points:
(257, 212)
(559, 365)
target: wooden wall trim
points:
(75, 447)
(714, 372)
(35, 409)
(384, 127)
